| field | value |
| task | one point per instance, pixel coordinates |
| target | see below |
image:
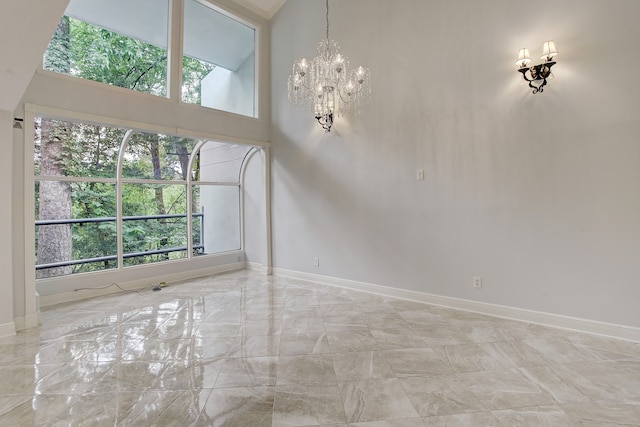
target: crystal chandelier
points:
(326, 83)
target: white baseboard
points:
(31, 320)
(7, 329)
(256, 266)
(628, 333)
(48, 300)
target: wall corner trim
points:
(260, 268)
(628, 333)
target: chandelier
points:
(327, 84)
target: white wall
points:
(538, 194)
(6, 257)
(26, 26)
(231, 91)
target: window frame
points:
(175, 53)
(257, 40)
(31, 111)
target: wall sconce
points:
(537, 75)
(17, 123)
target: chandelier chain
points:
(327, 19)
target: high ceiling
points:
(266, 8)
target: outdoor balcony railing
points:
(199, 248)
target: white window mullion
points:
(174, 61)
(119, 227)
(190, 186)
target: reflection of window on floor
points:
(124, 43)
(76, 176)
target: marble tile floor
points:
(248, 350)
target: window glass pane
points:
(76, 225)
(154, 156)
(221, 162)
(154, 223)
(218, 228)
(75, 197)
(119, 42)
(84, 212)
(65, 148)
(218, 65)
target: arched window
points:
(113, 198)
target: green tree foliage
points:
(91, 151)
(104, 56)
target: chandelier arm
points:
(305, 87)
(349, 99)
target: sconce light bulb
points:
(523, 58)
(548, 50)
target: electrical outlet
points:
(420, 174)
(316, 262)
(477, 282)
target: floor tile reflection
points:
(244, 349)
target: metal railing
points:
(199, 247)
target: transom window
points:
(126, 43)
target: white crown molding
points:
(628, 333)
(253, 6)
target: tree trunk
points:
(54, 241)
(183, 157)
(157, 173)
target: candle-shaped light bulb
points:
(548, 50)
(523, 58)
(350, 87)
(338, 62)
(360, 74)
(302, 67)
